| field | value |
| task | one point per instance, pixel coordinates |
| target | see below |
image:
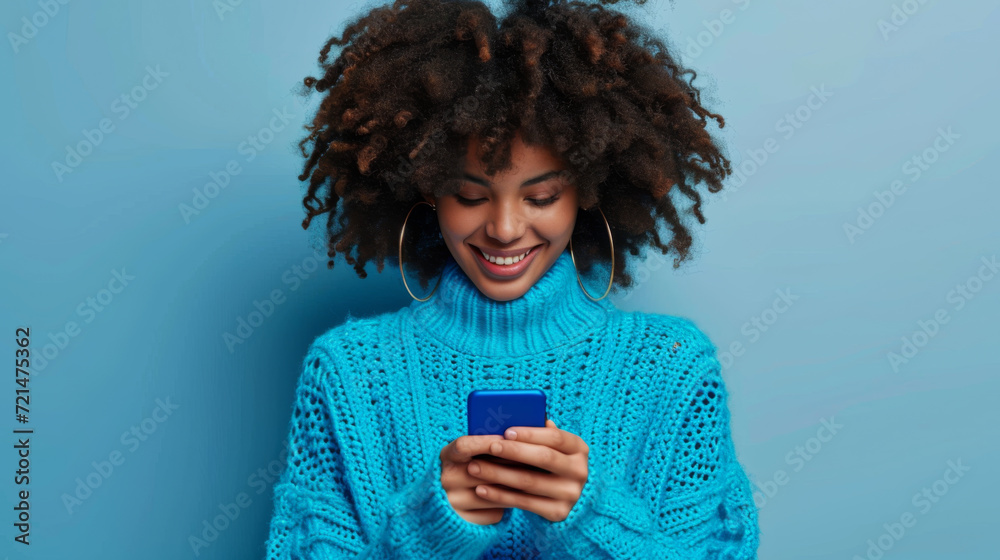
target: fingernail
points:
(474, 468)
(511, 434)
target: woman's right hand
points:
(461, 486)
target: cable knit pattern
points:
(379, 397)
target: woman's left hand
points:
(551, 496)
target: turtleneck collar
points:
(552, 312)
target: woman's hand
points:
(551, 495)
(460, 486)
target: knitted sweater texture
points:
(379, 397)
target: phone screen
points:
(492, 411)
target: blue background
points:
(824, 359)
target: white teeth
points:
(504, 260)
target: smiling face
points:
(531, 208)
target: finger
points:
(533, 454)
(455, 476)
(549, 436)
(524, 480)
(462, 449)
(546, 507)
(466, 499)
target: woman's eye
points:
(543, 201)
(536, 201)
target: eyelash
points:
(537, 202)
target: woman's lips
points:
(505, 271)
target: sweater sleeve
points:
(690, 497)
(317, 513)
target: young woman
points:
(507, 160)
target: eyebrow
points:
(528, 183)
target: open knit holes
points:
(315, 459)
(311, 444)
(509, 376)
(698, 458)
(449, 362)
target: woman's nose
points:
(505, 223)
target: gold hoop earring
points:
(610, 280)
(402, 231)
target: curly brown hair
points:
(416, 79)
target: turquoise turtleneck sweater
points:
(379, 397)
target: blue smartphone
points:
(492, 411)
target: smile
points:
(506, 261)
(504, 267)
